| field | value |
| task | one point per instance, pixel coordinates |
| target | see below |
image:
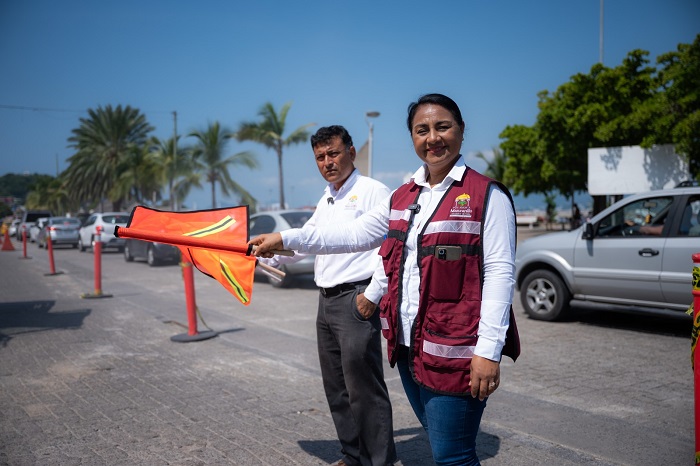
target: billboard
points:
(633, 169)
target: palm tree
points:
(104, 142)
(208, 157)
(496, 166)
(177, 169)
(269, 133)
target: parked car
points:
(14, 226)
(36, 228)
(29, 217)
(635, 255)
(106, 220)
(268, 222)
(153, 253)
(59, 230)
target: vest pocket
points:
(447, 279)
(448, 343)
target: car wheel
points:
(75, 245)
(81, 246)
(284, 283)
(151, 258)
(127, 254)
(545, 296)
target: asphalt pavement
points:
(99, 381)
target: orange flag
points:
(213, 240)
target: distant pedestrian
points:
(575, 217)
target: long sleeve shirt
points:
(368, 231)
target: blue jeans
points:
(451, 422)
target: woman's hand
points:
(265, 243)
(364, 306)
(485, 377)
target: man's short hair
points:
(326, 133)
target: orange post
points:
(97, 252)
(695, 353)
(24, 243)
(192, 333)
(52, 264)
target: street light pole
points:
(369, 115)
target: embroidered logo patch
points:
(461, 207)
(352, 202)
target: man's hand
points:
(266, 243)
(365, 307)
(485, 377)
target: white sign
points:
(633, 169)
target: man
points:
(349, 346)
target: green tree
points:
(269, 132)
(673, 113)
(105, 144)
(495, 166)
(588, 111)
(51, 193)
(209, 159)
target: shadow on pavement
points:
(679, 326)
(35, 316)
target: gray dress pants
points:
(350, 353)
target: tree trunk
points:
(213, 194)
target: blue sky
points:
(222, 60)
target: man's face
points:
(335, 161)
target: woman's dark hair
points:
(435, 99)
(325, 134)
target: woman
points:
(448, 247)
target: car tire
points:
(544, 296)
(284, 283)
(81, 246)
(127, 254)
(151, 258)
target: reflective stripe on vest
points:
(446, 351)
(453, 226)
(399, 215)
(385, 323)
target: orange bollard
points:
(97, 252)
(192, 333)
(24, 243)
(52, 264)
(696, 354)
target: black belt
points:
(337, 289)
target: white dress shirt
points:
(368, 232)
(356, 196)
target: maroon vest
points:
(444, 333)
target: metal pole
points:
(173, 193)
(369, 150)
(600, 58)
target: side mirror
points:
(587, 231)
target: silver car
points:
(268, 222)
(635, 255)
(59, 230)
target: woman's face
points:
(437, 138)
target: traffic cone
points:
(7, 243)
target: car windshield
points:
(297, 219)
(33, 217)
(115, 219)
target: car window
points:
(112, 219)
(639, 217)
(90, 221)
(690, 223)
(67, 221)
(262, 224)
(297, 219)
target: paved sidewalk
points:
(98, 382)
